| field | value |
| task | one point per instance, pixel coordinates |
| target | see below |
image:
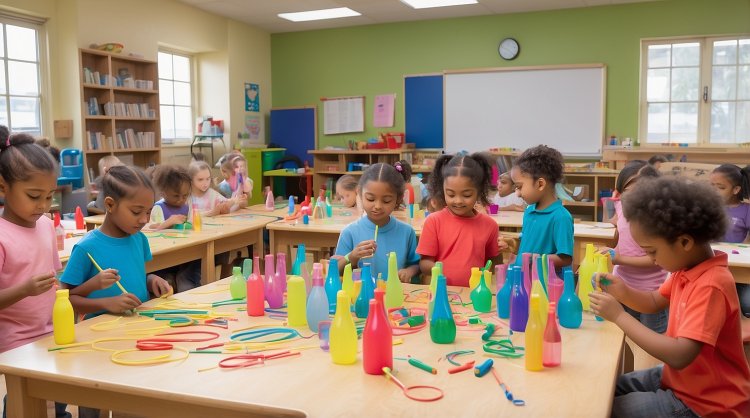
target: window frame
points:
(178, 142)
(39, 26)
(705, 70)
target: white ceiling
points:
(263, 13)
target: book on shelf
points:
(130, 110)
(98, 141)
(93, 107)
(130, 139)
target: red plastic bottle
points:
(377, 340)
(256, 298)
(79, 218)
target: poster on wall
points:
(383, 111)
(252, 97)
(252, 127)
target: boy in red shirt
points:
(705, 372)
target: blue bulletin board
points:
(423, 108)
(296, 129)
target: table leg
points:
(20, 403)
(208, 266)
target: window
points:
(20, 76)
(696, 91)
(175, 97)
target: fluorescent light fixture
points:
(319, 14)
(425, 4)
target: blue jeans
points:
(656, 321)
(60, 409)
(743, 291)
(639, 394)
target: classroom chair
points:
(71, 168)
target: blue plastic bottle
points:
(366, 292)
(503, 295)
(569, 307)
(333, 283)
(519, 304)
(317, 302)
(296, 270)
(442, 325)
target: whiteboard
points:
(343, 114)
(562, 107)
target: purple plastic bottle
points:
(519, 303)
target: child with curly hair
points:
(705, 372)
(547, 225)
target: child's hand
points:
(404, 275)
(122, 303)
(364, 249)
(611, 284)
(225, 206)
(605, 305)
(159, 287)
(176, 219)
(39, 284)
(106, 278)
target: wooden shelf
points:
(341, 158)
(576, 203)
(108, 66)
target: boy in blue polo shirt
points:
(547, 225)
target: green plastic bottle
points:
(442, 325)
(394, 292)
(237, 285)
(481, 296)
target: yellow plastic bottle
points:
(585, 271)
(476, 276)
(536, 289)
(197, 223)
(347, 284)
(343, 334)
(63, 319)
(296, 301)
(534, 336)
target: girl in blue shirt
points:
(119, 247)
(381, 189)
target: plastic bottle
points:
(380, 295)
(274, 293)
(526, 273)
(237, 285)
(269, 199)
(554, 283)
(298, 260)
(306, 276)
(503, 295)
(343, 336)
(256, 299)
(534, 335)
(536, 289)
(481, 296)
(296, 302)
(329, 208)
(500, 271)
(59, 233)
(247, 267)
(197, 223)
(333, 284)
(347, 284)
(377, 339)
(569, 308)
(602, 268)
(585, 271)
(476, 276)
(63, 319)
(80, 224)
(394, 292)
(290, 211)
(436, 271)
(366, 292)
(281, 272)
(317, 303)
(552, 343)
(442, 325)
(519, 304)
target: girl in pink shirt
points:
(28, 249)
(632, 264)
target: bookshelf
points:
(120, 109)
(330, 164)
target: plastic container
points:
(237, 285)
(481, 296)
(569, 308)
(256, 299)
(273, 292)
(377, 340)
(317, 303)
(505, 283)
(296, 302)
(343, 334)
(585, 271)
(269, 157)
(552, 342)
(59, 233)
(519, 304)
(442, 325)
(534, 337)
(347, 284)
(476, 276)
(366, 292)
(333, 284)
(394, 291)
(63, 319)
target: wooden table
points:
(309, 384)
(739, 260)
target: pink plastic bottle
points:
(552, 343)
(377, 339)
(255, 291)
(273, 292)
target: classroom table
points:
(739, 260)
(309, 384)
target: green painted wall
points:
(371, 60)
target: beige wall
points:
(142, 26)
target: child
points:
(232, 165)
(458, 235)
(506, 197)
(119, 247)
(656, 161)
(28, 253)
(346, 191)
(105, 163)
(381, 189)
(632, 264)
(733, 185)
(547, 225)
(173, 183)
(705, 372)
(204, 198)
